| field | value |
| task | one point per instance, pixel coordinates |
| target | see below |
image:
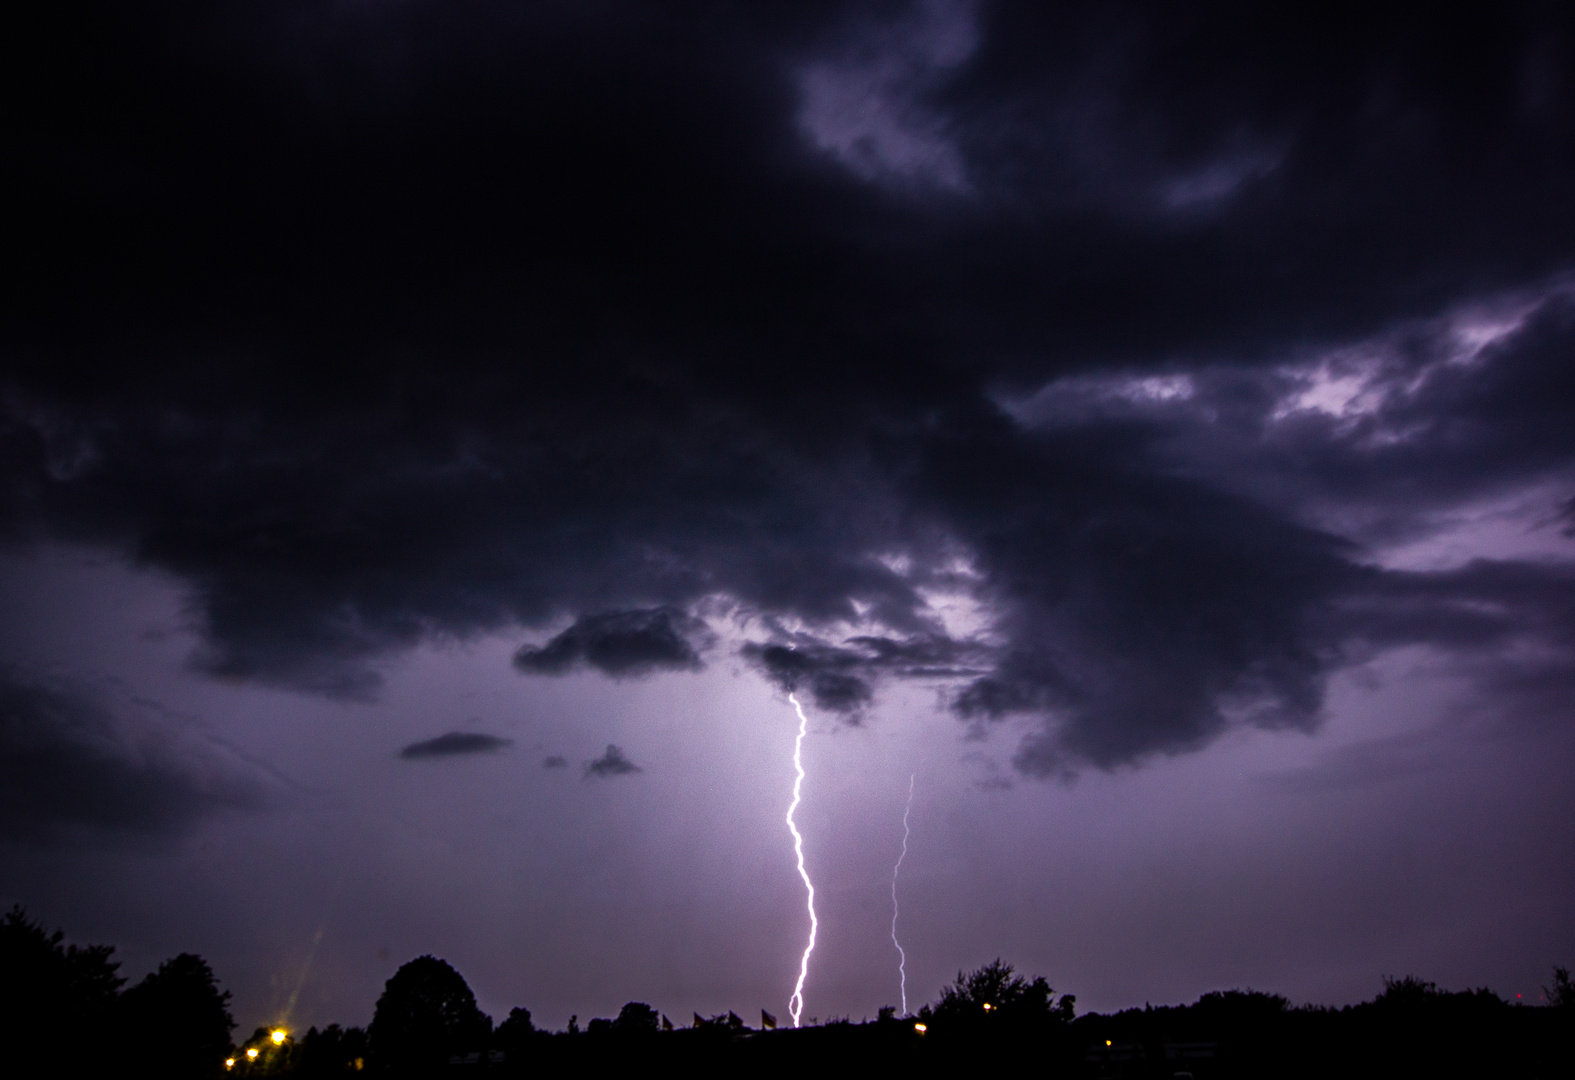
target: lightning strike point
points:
(796, 1002)
(902, 957)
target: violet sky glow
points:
(438, 442)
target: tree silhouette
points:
(515, 1035)
(426, 1013)
(996, 995)
(1561, 994)
(54, 998)
(1409, 993)
(637, 1018)
(332, 1051)
(179, 1013)
(516, 1027)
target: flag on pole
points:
(699, 1020)
(767, 1020)
(667, 1025)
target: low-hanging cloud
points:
(841, 678)
(623, 644)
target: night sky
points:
(437, 437)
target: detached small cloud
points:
(612, 763)
(454, 744)
(555, 761)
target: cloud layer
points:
(1150, 334)
(68, 767)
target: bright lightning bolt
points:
(902, 957)
(796, 1002)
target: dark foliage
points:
(332, 1051)
(996, 997)
(64, 999)
(637, 1018)
(515, 1035)
(180, 1009)
(426, 1013)
(1562, 993)
(55, 999)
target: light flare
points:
(796, 1002)
(902, 957)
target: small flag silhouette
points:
(699, 1021)
(734, 1021)
(667, 1025)
(767, 1020)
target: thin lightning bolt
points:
(902, 957)
(796, 1002)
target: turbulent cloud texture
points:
(1151, 331)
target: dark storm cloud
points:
(1474, 610)
(622, 644)
(612, 763)
(825, 671)
(65, 763)
(1380, 435)
(455, 743)
(839, 678)
(1141, 614)
(371, 326)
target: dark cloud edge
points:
(68, 772)
(455, 744)
(612, 763)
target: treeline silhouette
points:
(67, 1011)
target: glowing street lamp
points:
(251, 1053)
(278, 1036)
(920, 1028)
(229, 1063)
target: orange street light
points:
(278, 1036)
(920, 1028)
(251, 1053)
